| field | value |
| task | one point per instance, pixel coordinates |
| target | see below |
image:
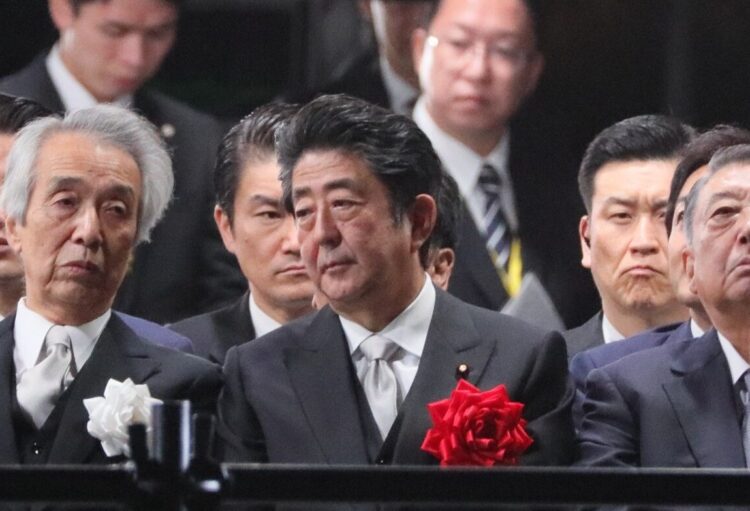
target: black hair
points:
(644, 137)
(697, 154)
(249, 141)
(17, 112)
(394, 149)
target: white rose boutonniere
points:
(124, 403)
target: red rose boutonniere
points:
(472, 427)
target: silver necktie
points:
(40, 386)
(379, 382)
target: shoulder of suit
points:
(171, 109)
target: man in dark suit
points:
(681, 404)
(351, 383)
(105, 53)
(478, 63)
(79, 194)
(256, 228)
(624, 181)
(691, 168)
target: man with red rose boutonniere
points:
(358, 381)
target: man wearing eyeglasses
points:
(478, 62)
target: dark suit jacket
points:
(118, 354)
(548, 208)
(291, 395)
(586, 336)
(671, 406)
(157, 334)
(215, 332)
(185, 269)
(586, 361)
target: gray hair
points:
(736, 154)
(105, 123)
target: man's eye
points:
(269, 215)
(110, 31)
(679, 217)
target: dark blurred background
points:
(606, 59)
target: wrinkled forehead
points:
(731, 181)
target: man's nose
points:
(477, 63)
(88, 229)
(325, 231)
(132, 50)
(290, 243)
(649, 231)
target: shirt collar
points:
(609, 332)
(262, 322)
(737, 365)
(408, 329)
(695, 330)
(73, 94)
(400, 92)
(30, 329)
(463, 164)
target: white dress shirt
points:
(609, 332)
(73, 94)
(408, 330)
(695, 330)
(737, 364)
(464, 165)
(401, 94)
(262, 322)
(30, 329)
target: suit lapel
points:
(451, 340)
(8, 448)
(703, 401)
(321, 373)
(118, 354)
(235, 326)
(474, 266)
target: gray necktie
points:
(41, 386)
(379, 382)
(497, 233)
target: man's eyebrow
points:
(619, 201)
(63, 182)
(726, 194)
(345, 183)
(265, 200)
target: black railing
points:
(170, 479)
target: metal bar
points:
(526, 485)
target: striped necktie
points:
(497, 232)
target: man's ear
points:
(688, 263)
(418, 39)
(584, 235)
(441, 268)
(225, 228)
(422, 217)
(12, 234)
(62, 13)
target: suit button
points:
(36, 448)
(380, 461)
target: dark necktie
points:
(497, 233)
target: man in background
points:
(106, 51)
(479, 62)
(624, 181)
(257, 229)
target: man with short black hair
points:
(624, 181)
(350, 384)
(258, 230)
(106, 51)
